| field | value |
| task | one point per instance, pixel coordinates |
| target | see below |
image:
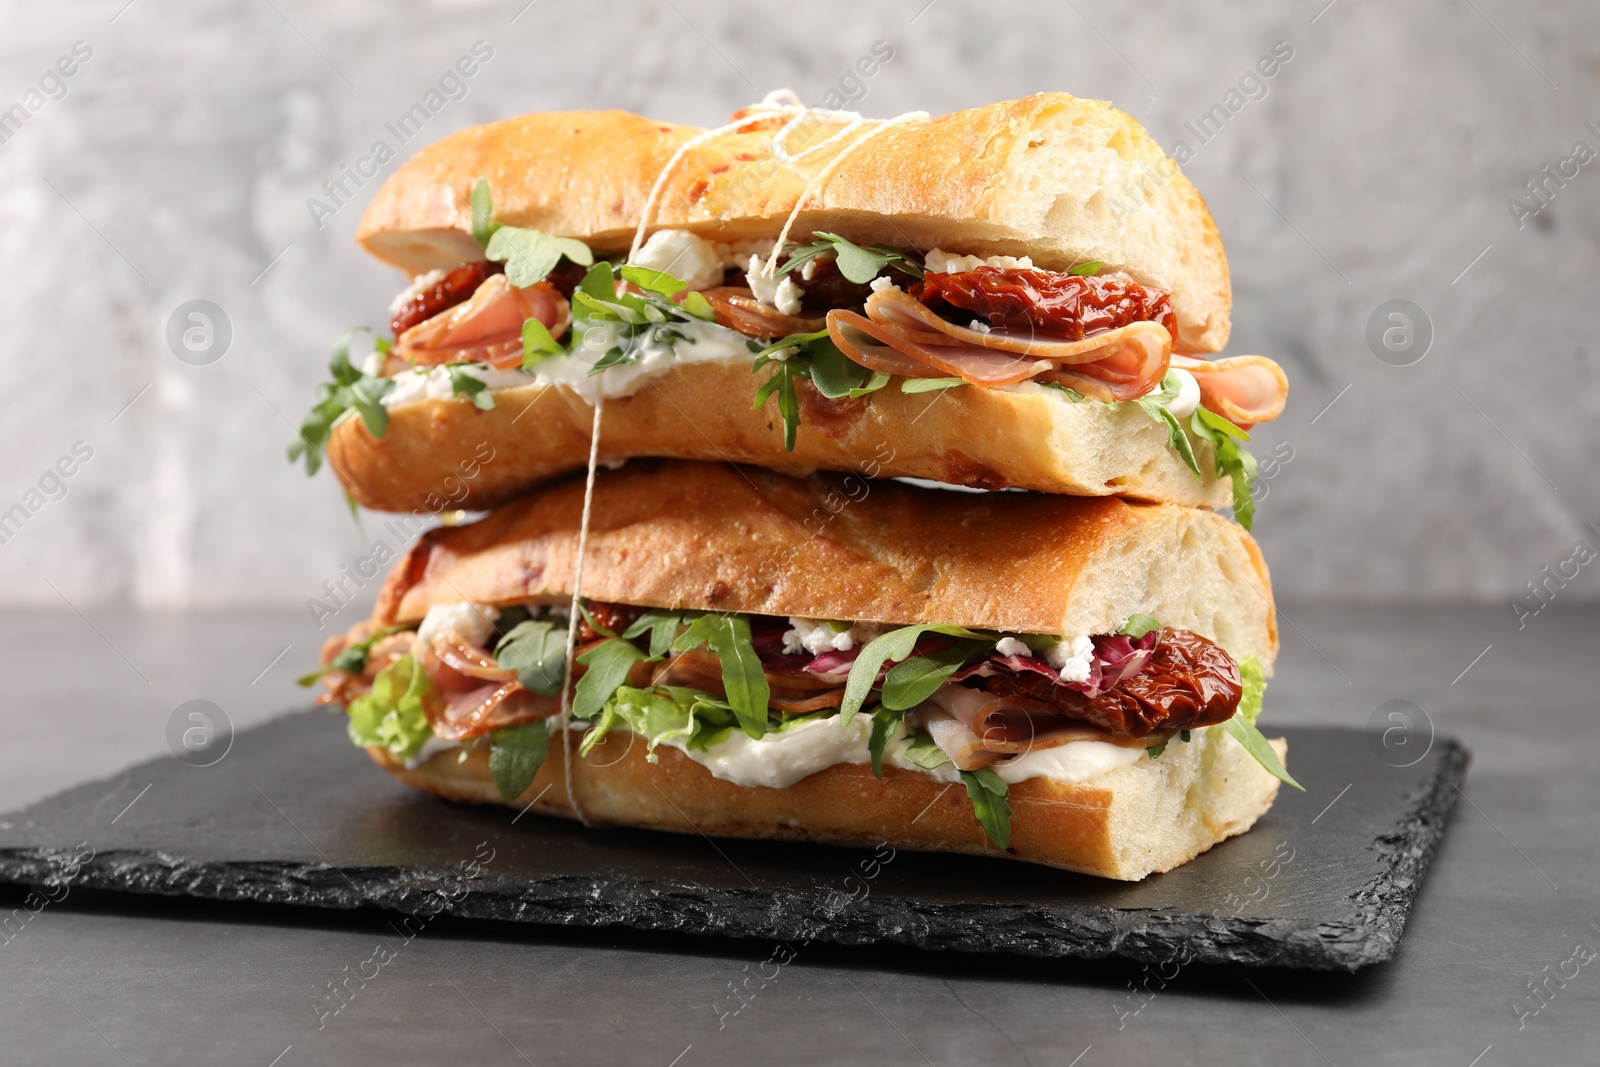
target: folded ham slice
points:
(899, 335)
(976, 729)
(894, 349)
(1244, 390)
(739, 310)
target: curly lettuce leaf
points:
(392, 714)
(1254, 681)
(664, 715)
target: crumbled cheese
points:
(1072, 658)
(1010, 646)
(472, 622)
(880, 283)
(1188, 397)
(420, 284)
(372, 366)
(782, 294)
(942, 262)
(808, 269)
(693, 260)
(817, 637)
(978, 325)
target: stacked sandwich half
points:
(702, 379)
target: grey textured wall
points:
(1376, 165)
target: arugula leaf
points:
(836, 374)
(895, 645)
(1245, 732)
(987, 791)
(1232, 461)
(392, 713)
(537, 344)
(594, 623)
(470, 386)
(929, 385)
(699, 307)
(798, 341)
(782, 385)
(1072, 394)
(911, 682)
(662, 626)
(813, 356)
(925, 754)
(858, 263)
(1138, 625)
(483, 225)
(530, 255)
(339, 358)
(1153, 404)
(598, 283)
(366, 396)
(608, 664)
(742, 674)
(350, 388)
(884, 721)
(537, 651)
(353, 658)
(1254, 682)
(515, 755)
(653, 281)
(1154, 751)
(1088, 270)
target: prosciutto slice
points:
(488, 707)
(1245, 390)
(487, 328)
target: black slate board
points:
(294, 814)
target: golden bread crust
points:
(1050, 176)
(983, 438)
(1147, 817)
(711, 536)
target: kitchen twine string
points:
(779, 102)
(567, 755)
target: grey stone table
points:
(1498, 965)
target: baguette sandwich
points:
(1066, 681)
(1021, 294)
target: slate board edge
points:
(1371, 935)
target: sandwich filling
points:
(825, 323)
(766, 701)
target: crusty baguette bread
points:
(1146, 817)
(1063, 180)
(718, 537)
(983, 438)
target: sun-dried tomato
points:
(454, 288)
(1190, 682)
(1025, 300)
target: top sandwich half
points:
(796, 290)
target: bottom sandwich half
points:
(1065, 681)
(1127, 822)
